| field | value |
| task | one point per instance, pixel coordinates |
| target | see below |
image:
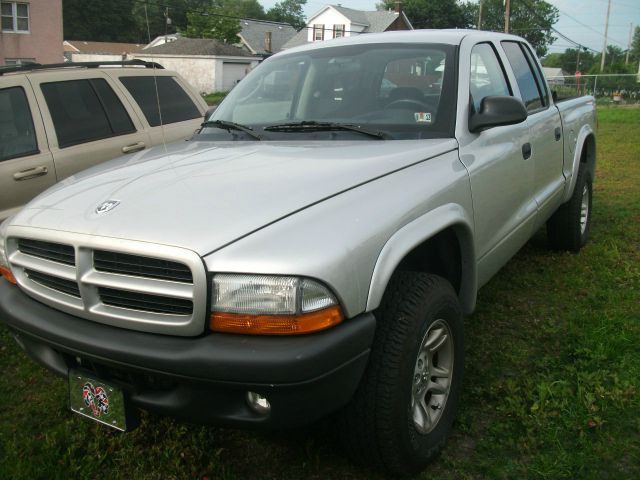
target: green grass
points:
(214, 98)
(551, 387)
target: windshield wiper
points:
(313, 126)
(231, 126)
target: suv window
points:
(85, 110)
(542, 85)
(524, 76)
(17, 134)
(487, 76)
(175, 103)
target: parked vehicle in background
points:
(313, 249)
(56, 120)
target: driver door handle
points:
(526, 151)
(30, 173)
(134, 147)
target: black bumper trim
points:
(205, 378)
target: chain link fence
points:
(609, 89)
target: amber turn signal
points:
(6, 273)
(276, 324)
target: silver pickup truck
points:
(313, 249)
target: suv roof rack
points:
(37, 66)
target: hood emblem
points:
(107, 206)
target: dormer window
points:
(318, 32)
(338, 31)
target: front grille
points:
(136, 265)
(145, 302)
(56, 252)
(55, 283)
(146, 287)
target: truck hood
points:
(204, 195)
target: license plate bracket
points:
(98, 400)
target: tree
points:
(531, 19)
(568, 61)
(635, 45)
(99, 20)
(210, 24)
(288, 11)
(432, 14)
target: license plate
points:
(97, 400)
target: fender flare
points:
(415, 233)
(581, 141)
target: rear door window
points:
(175, 104)
(85, 110)
(17, 134)
(529, 90)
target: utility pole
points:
(507, 14)
(626, 62)
(606, 32)
(480, 16)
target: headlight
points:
(271, 305)
(5, 271)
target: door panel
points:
(501, 178)
(87, 123)
(26, 164)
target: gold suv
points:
(56, 120)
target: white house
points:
(208, 65)
(554, 76)
(335, 21)
(85, 51)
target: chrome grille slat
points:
(139, 284)
(49, 267)
(147, 287)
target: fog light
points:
(258, 403)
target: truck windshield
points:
(398, 91)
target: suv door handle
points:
(526, 151)
(30, 173)
(134, 147)
(558, 133)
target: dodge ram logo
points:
(107, 206)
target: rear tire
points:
(403, 410)
(568, 227)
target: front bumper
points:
(202, 379)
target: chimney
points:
(267, 41)
(398, 7)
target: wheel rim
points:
(432, 376)
(584, 209)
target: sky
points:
(581, 20)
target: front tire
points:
(403, 410)
(568, 227)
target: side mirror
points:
(497, 111)
(209, 112)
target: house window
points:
(18, 61)
(15, 17)
(318, 32)
(338, 31)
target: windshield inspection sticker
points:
(422, 117)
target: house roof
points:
(198, 46)
(105, 48)
(374, 22)
(253, 35)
